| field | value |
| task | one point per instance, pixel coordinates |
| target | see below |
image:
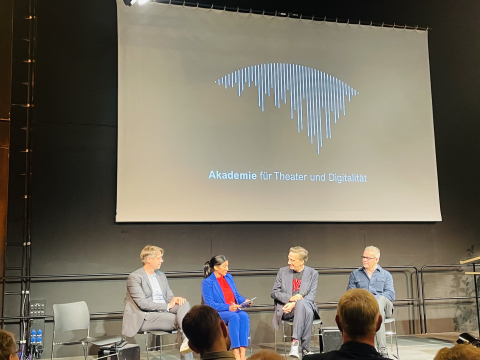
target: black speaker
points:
(127, 352)
(331, 339)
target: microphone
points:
(466, 338)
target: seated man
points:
(207, 333)
(150, 304)
(358, 318)
(294, 294)
(379, 282)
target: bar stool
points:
(392, 331)
(156, 333)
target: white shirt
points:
(157, 293)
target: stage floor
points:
(410, 347)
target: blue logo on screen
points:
(314, 95)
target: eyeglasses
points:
(367, 258)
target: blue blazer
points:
(213, 295)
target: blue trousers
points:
(238, 327)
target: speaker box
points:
(127, 352)
(331, 338)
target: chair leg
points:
(51, 355)
(161, 346)
(85, 350)
(396, 342)
(146, 344)
(284, 343)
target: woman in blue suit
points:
(219, 291)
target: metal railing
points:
(412, 287)
(443, 269)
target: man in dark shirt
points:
(358, 318)
(294, 294)
(207, 333)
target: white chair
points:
(160, 334)
(75, 316)
(392, 331)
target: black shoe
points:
(305, 352)
(384, 354)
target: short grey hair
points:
(373, 249)
(302, 252)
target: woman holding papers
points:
(219, 291)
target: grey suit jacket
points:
(139, 300)
(282, 291)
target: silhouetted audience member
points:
(207, 334)
(266, 355)
(458, 352)
(358, 318)
(8, 350)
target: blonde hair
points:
(458, 352)
(7, 344)
(358, 313)
(302, 252)
(373, 249)
(150, 251)
(265, 355)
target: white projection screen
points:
(226, 116)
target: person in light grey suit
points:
(150, 303)
(294, 294)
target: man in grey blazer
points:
(150, 303)
(294, 294)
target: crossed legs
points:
(168, 321)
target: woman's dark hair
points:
(209, 265)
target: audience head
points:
(205, 331)
(297, 257)
(358, 316)
(213, 264)
(150, 251)
(459, 352)
(266, 355)
(8, 349)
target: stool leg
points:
(146, 344)
(396, 342)
(284, 344)
(161, 346)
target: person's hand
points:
(288, 307)
(234, 307)
(248, 302)
(176, 300)
(296, 298)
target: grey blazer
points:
(139, 300)
(282, 291)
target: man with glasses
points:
(373, 278)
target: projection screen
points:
(226, 116)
